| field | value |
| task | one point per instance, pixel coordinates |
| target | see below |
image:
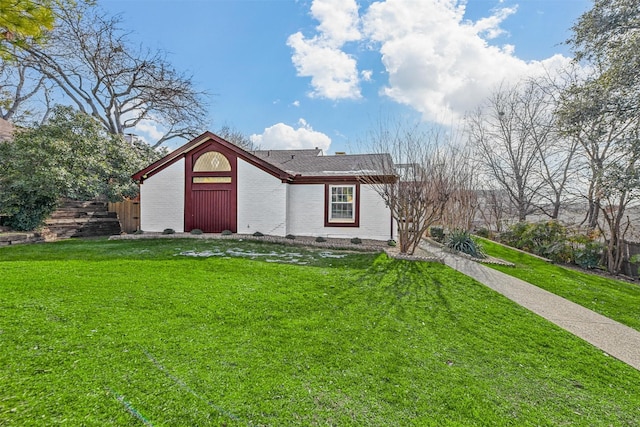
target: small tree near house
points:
(423, 181)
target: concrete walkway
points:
(615, 339)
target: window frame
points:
(328, 221)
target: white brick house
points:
(212, 185)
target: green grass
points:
(613, 298)
(133, 333)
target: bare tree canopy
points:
(18, 84)
(502, 131)
(236, 137)
(601, 111)
(90, 58)
(426, 174)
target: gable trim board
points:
(292, 195)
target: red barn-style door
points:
(211, 192)
(211, 210)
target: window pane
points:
(342, 203)
(342, 211)
(212, 161)
(342, 194)
(211, 179)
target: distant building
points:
(6, 130)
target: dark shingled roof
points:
(313, 163)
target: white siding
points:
(375, 217)
(162, 199)
(262, 201)
(306, 214)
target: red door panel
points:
(211, 210)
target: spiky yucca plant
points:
(461, 241)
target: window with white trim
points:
(342, 203)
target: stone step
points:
(90, 204)
(80, 213)
(82, 221)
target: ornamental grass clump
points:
(461, 241)
(168, 231)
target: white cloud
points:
(149, 131)
(285, 137)
(334, 73)
(296, 103)
(490, 26)
(439, 63)
(338, 20)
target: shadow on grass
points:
(395, 283)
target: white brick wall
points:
(262, 201)
(162, 199)
(265, 204)
(375, 217)
(306, 214)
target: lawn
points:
(616, 299)
(197, 332)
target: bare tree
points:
(621, 187)
(236, 137)
(590, 114)
(493, 208)
(556, 153)
(520, 147)
(424, 181)
(463, 205)
(17, 87)
(90, 58)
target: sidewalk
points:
(615, 339)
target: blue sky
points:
(320, 73)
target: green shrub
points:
(513, 236)
(391, 243)
(226, 232)
(320, 239)
(168, 231)
(138, 232)
(290, 237)
(196, 231)
(30, 212)
(356, 241)
(461, 241)
(547, 239)
(483, 232)
(437, 233)
(258, 234)
(587, 252)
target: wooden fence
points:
(630, 249)
(128, 213)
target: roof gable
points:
(287, 165)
